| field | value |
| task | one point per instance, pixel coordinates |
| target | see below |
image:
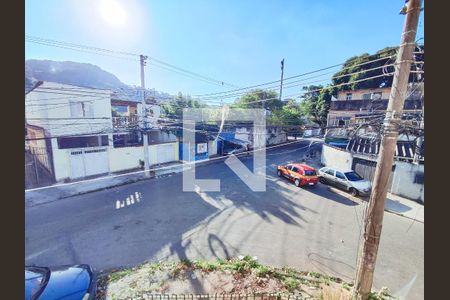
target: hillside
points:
(68, 72)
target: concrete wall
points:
(41, 103)
(125, 158)
(275, 136)
(61, 161)
(403, 182)
(120, 159)
(357, 94)
(337, 158)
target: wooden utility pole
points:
(143, 58)
(375, 210)
(282, 74)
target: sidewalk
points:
(405, 207)
(65, 190)
(394, 204)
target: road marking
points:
(130, 200)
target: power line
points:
(303, 74)
(108, 52)
(311, 72)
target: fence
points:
(38, 167)
(262, 296)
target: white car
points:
(346, 180)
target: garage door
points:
(88, 162)
(165, 153)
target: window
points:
(353, 176)
(419, 178)
(296, 170)
(366, 96)
(158, 137)
(75, 109)
(309, 172)
(348, 96)
(127, 140)
(289, 167)
(340, 175)
(80, 109)
(82, 142)
(376, 96)
(330, 172)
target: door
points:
(287, 172)
(295, 173)
(88, 162)
(366, 169)
(76, 164)
(341, 181)
(96, 161)
(329, 176)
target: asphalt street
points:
(308, 228)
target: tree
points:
(380, 58)
(316, 103)
(252, 100)
(289, 115)
(174, 109)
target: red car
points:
(300, 174)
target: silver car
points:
(346, 180)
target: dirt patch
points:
(241, 276)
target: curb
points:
(209, 161)
(359, 200)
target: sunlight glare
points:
(112, 12)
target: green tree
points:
(316, 102)
(252, 100)
(174, 108)
(289, 115)
(378, 60)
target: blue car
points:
(76, 282)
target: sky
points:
(237, 42)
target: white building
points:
(90, 132)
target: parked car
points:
(230, 150)
(300, 174)
(347, 180)
(76, 282)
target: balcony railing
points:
(356, 105)
(125, 122)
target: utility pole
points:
(375, 210)
(419, 140)
(143, 59)
(281, 83)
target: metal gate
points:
(366, 168)
(38, 167)
(88, 162)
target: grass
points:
(262, 271)
(114, 276)
(291, 284)
(291, 279)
